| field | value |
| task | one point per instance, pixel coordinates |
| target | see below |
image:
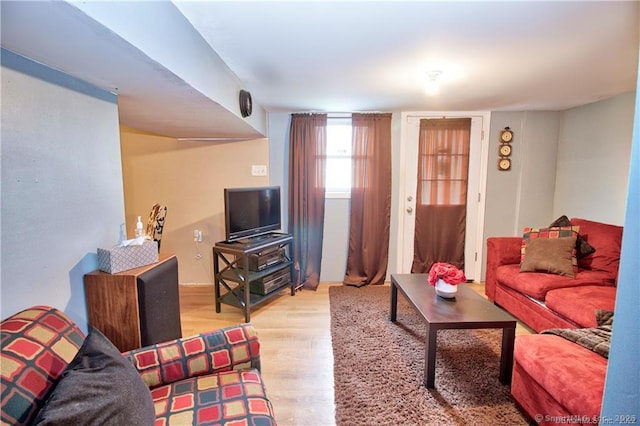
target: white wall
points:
(502, 186)
(593, 160)
(335, 245)
(278, 134)
(539, 147)
(189, 178)
(169, 38)
(523, 195)
(61, 185)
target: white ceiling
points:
(338, 56)
(363, 56)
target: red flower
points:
(446, 272)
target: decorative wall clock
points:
(504, 164)
(506, 135)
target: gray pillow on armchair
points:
(98, 387)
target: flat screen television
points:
(251, 212)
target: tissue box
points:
(118, 259)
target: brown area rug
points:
(379, 367)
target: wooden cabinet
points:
(138, 307)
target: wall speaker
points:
(246, 105)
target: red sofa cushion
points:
(537, 284)
(572, 375)
(607, 240)
(580, 303)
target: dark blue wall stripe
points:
(27, 66)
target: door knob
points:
(409, 198)
(409, 210)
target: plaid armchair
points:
(212, 378)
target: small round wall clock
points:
(505, 150)
(506, 135)
(504, 164)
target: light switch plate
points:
(258, 170)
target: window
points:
(339, 165)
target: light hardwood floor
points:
(296, 352)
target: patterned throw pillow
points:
(583, 248)
(554, 232)
(37, 344)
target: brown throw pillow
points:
(550, 233)
(551, 255)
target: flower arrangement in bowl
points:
(445, 277)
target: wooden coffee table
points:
(468, 310)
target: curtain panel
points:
(441, 199)
(307, 168)
(370, 215)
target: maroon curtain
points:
(441, 199)
(370, 200)
(307, 159)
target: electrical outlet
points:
(197, 236)
(258, 170)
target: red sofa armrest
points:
(500, 251)
(230, 348)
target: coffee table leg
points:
(506, 357)
(394, 302)
(430, 357)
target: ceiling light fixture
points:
(433, 82)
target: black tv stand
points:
(252, 271)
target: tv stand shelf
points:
(252, 271)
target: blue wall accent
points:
(621, 401)
(34, 69)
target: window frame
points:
(343, 120)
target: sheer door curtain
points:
(441, 199)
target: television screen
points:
(250, 212)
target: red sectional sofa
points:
(555, 380)
(543, 300)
